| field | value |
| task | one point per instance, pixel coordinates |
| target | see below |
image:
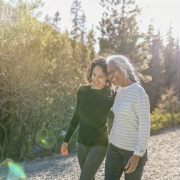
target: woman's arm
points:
(72, 127)
(142, 109)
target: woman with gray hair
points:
(130, 132)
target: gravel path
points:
(163, 163)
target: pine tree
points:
(177, 56)
(156, 66)
(91, 42)
(82, 40)
(150, 34)
(76, 20)
(118, 26)
(78, 34)
(170, 59)
(56, 20)
(120, 32)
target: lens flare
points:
(36, 151)
(15, 171)
(43, 141)
(72, 107)
(45, 138)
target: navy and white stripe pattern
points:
(131, 126)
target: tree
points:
(170, 59)
(118, 26)
(82, 40)
(177, 55)
(76, 33)
(169, 102)
(120, 33)
(37, 83)
(91, 42)
(156, 66)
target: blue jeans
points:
(116, 161)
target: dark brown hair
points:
(88, 76)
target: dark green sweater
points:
(91, 114)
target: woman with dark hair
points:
(129, 137)
(93, 105)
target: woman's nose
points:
(110, 75)
(96, 79)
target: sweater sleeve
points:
(143, 113)
(74, 122)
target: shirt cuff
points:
(65, 140)
(139, 153)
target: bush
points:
(169, 102)
(40, 74)
(163, 121)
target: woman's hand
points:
(133, 162)
(64, 151)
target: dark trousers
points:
(116, 161)
(90, 159)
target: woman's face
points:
(98, 78)
(114, 74)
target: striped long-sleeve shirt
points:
(131, 126)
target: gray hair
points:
(125, 66)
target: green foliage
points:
(156, 66)
(163, 121)
(39, 77)
(177, 73)
(170, 60)
(120, 33)
(41, 68)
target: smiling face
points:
(115, 75)
(98, 78)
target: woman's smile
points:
(98, 78)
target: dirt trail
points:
(163, 162)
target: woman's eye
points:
(112, 72)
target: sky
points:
(163, 12)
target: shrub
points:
(169, 101)
(39, 77)
(163, 121)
